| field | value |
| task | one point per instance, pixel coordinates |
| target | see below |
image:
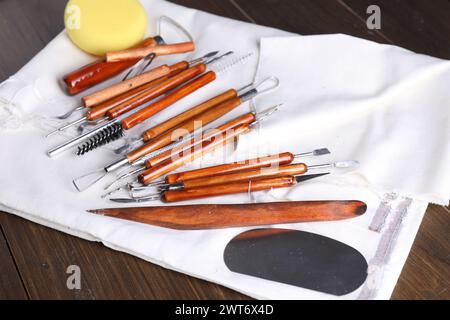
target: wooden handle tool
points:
(167, 155)
(99, 111)
(189, 114)
(229, 188)
(139, 53)
(185, 128)
(156, 91)
(124, 86)
(177, 161)
(257, 163)
(170, 99)
(293, 169)
(216, 216)
(99, 71)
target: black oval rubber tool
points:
(297, 258)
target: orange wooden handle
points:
(272, 160)
(168, 100)
(100, 110)
(156, 91)
(161, 50)
(167, 155)
(293, 169)
(230, 188)
(124, 86)
(189, 114)
(99, 71)
(196, 151)
(215, 216)
(200, 121)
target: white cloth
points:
(348, 94)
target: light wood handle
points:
(139, 53)
(124, 86)
(99, 71)
(272, 160)
(156, 91)
(168, 100)
(163, 140)
(230, 188)
(195, 152)
(199, 121)
(99, 111)
(189, 114)
(293, 169)
(169, 154)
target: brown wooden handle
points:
(156, 91)
(293, 169)
(189, 114)
(215, 216)
(200, 121)
(98, 71)
(169, 154)
(229, 188)
(124, 86)
(99, 111)
(168, 100)
(272, 160)
(139, 53)
(195, 152)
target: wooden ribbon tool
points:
(215, 216)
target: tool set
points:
(169, 145)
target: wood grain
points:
(277, 171)
(155, 92)
(188, 114)
(180, 93)
(216, 216)
(273, 160)
(139, 53)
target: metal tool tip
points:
(211, 54)
(123, 200)
(346, 164)
(302, 178)
(321, 152)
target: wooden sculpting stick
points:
(215, 216)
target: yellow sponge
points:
(101, 26)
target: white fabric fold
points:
(356, 97)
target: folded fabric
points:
(356, 97)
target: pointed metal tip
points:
(302, 178)
(321, 152)
(211, 54)
(52, 133)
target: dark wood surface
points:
(34, 259)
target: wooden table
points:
(34, 259)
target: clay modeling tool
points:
(251, 164)
(99, 103)
(297, 258)
(244, 175)
(114, 129)
(100, 71)
(218, 216)
(158, 50)
(139, 157)
(205, 113)
(223, 189)
(165, 156)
